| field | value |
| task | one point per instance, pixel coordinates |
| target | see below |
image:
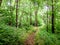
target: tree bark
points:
(47, 21)
(47, 16)
(10, 21)
(30, 15)
(16, 13)
(0, 2)
(36, 17)
(21, 19)
(53, 17)
(36, 11)
(30, 19)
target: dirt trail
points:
(31, 37)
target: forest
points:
(29, 22)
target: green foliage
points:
(10, 35)
(45, 38)
(7, 35)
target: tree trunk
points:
(10, 21)
(53, 17)
(47, 21)
(36, 17)
(30, 19)
(36, 11)
(16, 13)
(21, 19)
(27, 18)
(47, 17)
(30, 16)
(0, 2)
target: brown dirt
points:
(30, 38)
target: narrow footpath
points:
(30, 39)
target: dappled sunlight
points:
(29, 22)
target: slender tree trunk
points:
(0, 2)
(30, 16)
(47, 21)
(27, 18)
(36, 11)
(53, 17)
(21, 19)
(36, 17)
(30, 19)
(16, 13)
(10, 21)
(47, 16)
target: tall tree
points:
(16, 13)
(21, 18)
(10, 22)
(53, 16)
(47, 16)
(36, 5)
(0, 2)
(30, 18)
(36, 21)
(30, 15)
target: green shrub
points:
(11, 35)
(45, 38)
